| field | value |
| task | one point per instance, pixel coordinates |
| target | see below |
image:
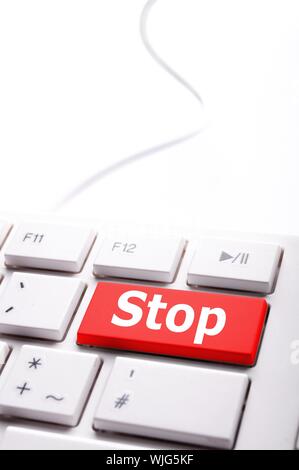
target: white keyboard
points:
(134, 338)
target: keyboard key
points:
(46, 246)
(4, 352)
(150, 259)
(16, 438)
(49, 385)
(39, 306)
(167, 401)
(233, 264)
(4, 231)
(199, 325)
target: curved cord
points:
(125, 162)
(149, 151)
(146, 42)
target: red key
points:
(198, 325)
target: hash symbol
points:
(121, 401)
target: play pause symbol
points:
(240, 258)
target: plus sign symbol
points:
(23, 388)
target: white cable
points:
(145, 39)
(152, 150)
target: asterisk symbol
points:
(35, 363)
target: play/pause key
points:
(235, 264)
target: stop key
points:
(198, 325)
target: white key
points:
(234, 264)
(49, 385)
(4, 231)
(26, 439)
(4, 352)
(297, 443)
(167, 401)
(39, 306)
(49, 246)
(149, 259)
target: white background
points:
(78, 91)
